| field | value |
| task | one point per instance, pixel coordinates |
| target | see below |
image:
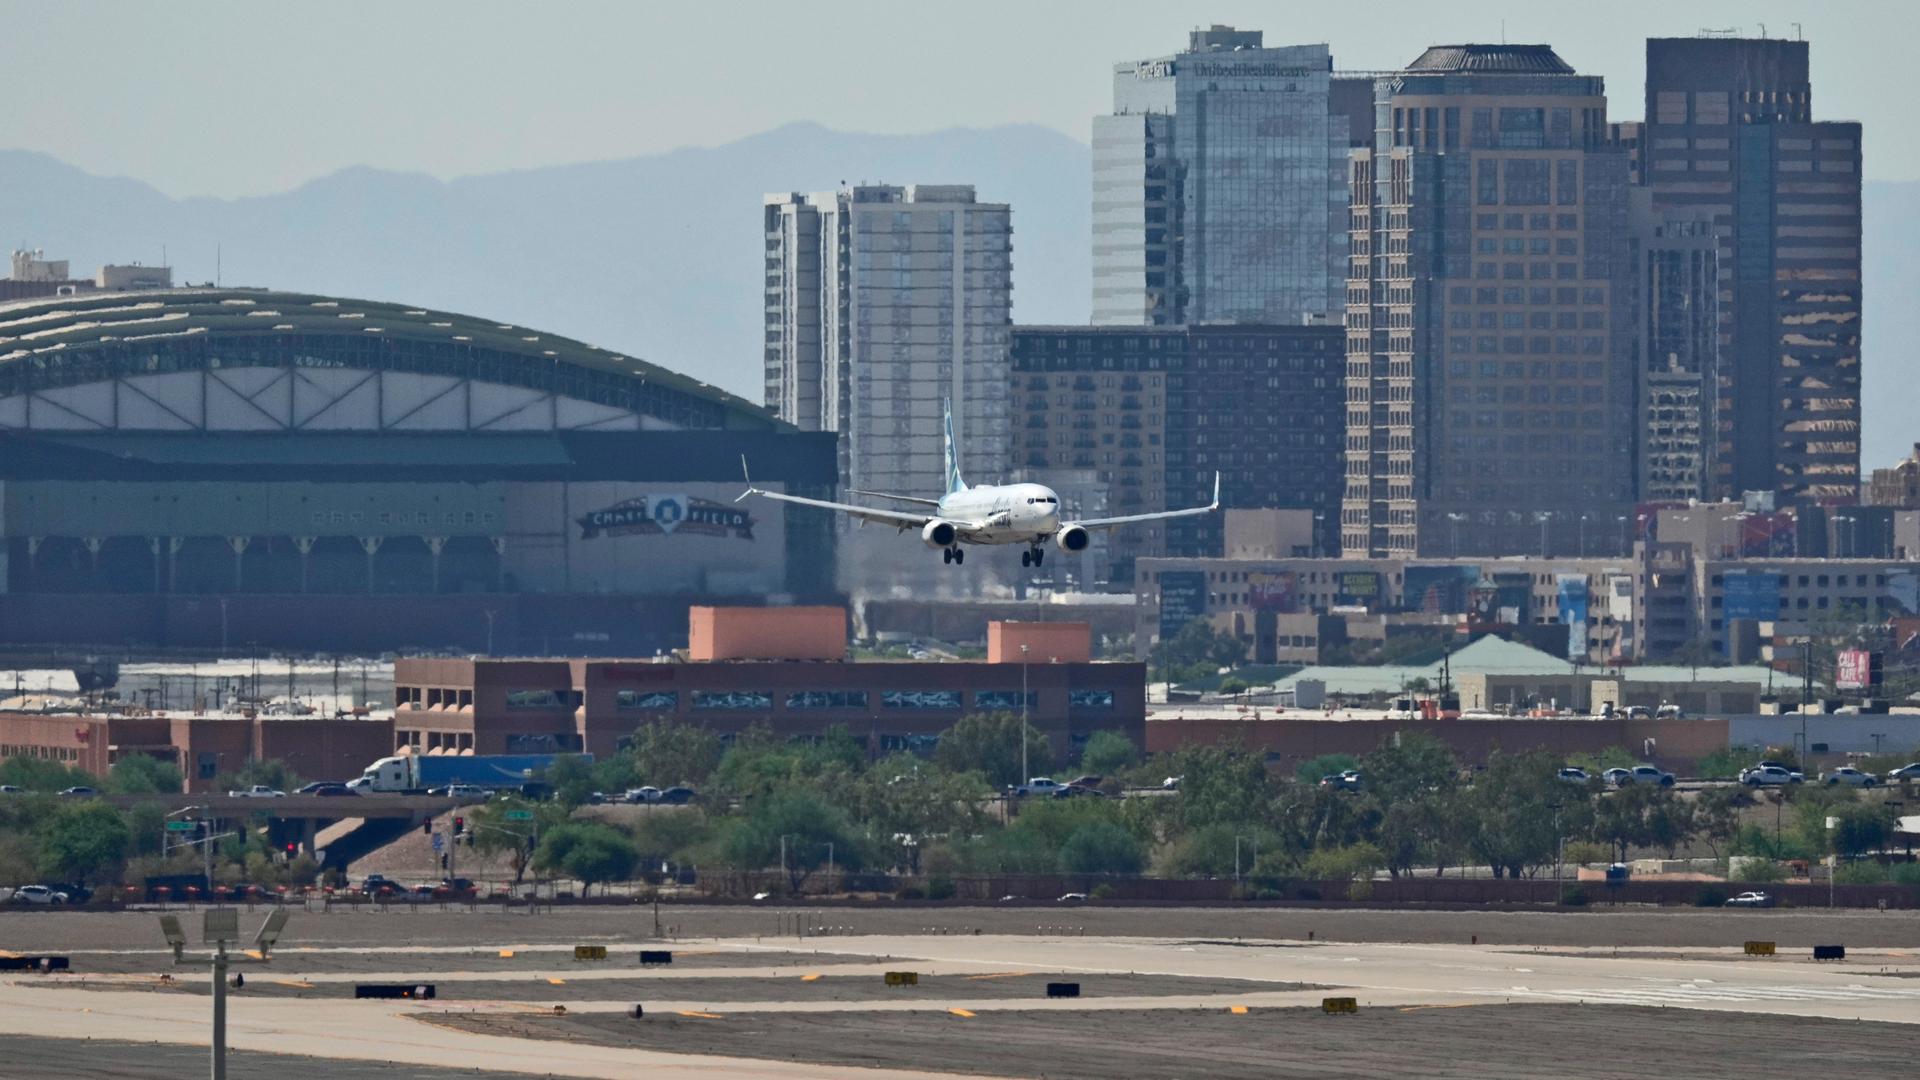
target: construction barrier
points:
(1759, 948)
(589, 952)
(1829, 952)
(903, 978)
(649, 957)
(392, 990)
(1331, 1006)
(1063, 990)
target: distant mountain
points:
(659, 256)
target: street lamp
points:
(219, 926)
(1254, 863)
(1025, 777)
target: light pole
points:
(1254, 842)
(1543, 517)
(1025, 778)
(219, 926)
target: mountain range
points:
(660, 256)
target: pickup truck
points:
(1043, 786)
(1768, 775)
(257, 791)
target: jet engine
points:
(1072, 538)
(937, 533)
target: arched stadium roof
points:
(287, 361)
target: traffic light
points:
(459, 825)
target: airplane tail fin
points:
(954, 482)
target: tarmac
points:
(1160, 1005)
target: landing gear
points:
(1033, 556)
(952, 555)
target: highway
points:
(298, 806)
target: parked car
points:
(1088, 781)
(257, 791)
(38, 894)
(678, 796)
(1905, 772)
(328, 788)
(1639, 774)
(466, 791)
(1770, 776)
(1072, 897)
(1848, 776)
(459, 886)
(1752, 899)
(1574, 775)
(1344, 781)
(1171, 783)
(9, 789)
(1044, 786)
(81, 792)
(1074, 791)
(375, 884)
(649, 794)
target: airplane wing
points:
(1115, 522)
(897, 498)
(899, 519)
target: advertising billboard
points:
(1357, 588)
(1751, 594)
(1438, 590)
(1183, 598)
(1765, 535)
(1574, 613)
(1853, 669)
(1273, 590)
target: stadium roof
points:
(59, 341)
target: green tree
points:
(493, 834)
(1352, 862)
(1108, 752)
(1520, 810)
(1311, 770)
(571, 777)
(144, 774)
(1641, 815)
(1860, 828)
(663, 754)
(84, 842)
(1222, 783)
(38, 774)
(1101, 848)
(807, 822)
(905, 803)
(587, 851)
(1716, 817)
(272, 772)
(760, 762)
(1197, 651)
(1408, 766)
(989, 744)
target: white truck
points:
(414, 774)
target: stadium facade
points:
(213, 468)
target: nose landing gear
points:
(1033, 556)
(952, 555)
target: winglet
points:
(1215, 504)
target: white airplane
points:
(985, 513)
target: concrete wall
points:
(1842, 733)
(775, 633)
(1046, 642)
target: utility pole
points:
(1025, 776)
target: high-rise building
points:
(1730, 132)
(1490, 401)
(1674, 298)
(1219, 186)
(883, 304)
(1153, 412)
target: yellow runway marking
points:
(294, 982)
(1000, 975)
(506, 954)
(968, 1013)
(1238, 1010)
(809, 978)
(703, 1015)
(557, 982)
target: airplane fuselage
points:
(1004, 513)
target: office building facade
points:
(1675, 302)
(1155, 411)
(1730, 132)
(1490, 400)
(882, 305)
(1218, 186)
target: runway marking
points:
(703, 1015)
(1459, 1005)
(1684, 993)
(809, 978)
(1238, 1010)
(1000, 975)
(967, 1013)
(300, 983)
(557, 982)
(506, 954)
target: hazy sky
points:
(248, 98)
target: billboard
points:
(1853, 669)
(1512, 598)
(1574, 613)
(1357, 588)
(1438, 590)
(1183, 598)
(1751, 594)
(1764, 535)
(1273, 590)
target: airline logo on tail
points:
(954, 482)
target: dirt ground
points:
(838, 988)
(45, 931)
(542, 959)
(105, 1059)
(1498, 1042)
